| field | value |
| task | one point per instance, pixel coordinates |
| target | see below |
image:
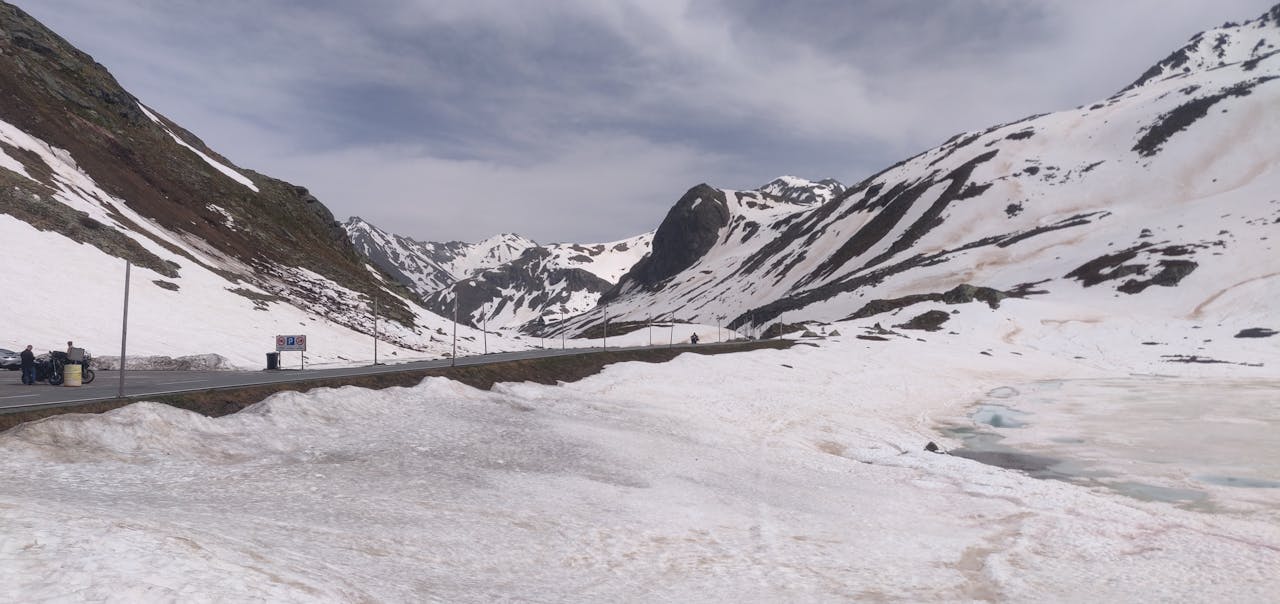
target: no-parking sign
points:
(286, 343)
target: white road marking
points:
(181, 382)
(18, 396)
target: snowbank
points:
(195, 362)
(793, 475)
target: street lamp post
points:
(375, 329)
(453, 360)
(124, 326)
(606, 325)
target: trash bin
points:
(71, 375)
(273, 360)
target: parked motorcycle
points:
(86, 373)
(52, 368)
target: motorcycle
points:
(53, 368)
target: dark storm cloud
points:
(584, 120)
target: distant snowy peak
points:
(427, 267)
(802, 191)
(492, 252)
(548, 283)
(504, 281)
(1227, 45)
(608, 261)
(420, 267)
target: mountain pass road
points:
(15, 396)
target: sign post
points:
(293, 343)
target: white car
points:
(10, 360)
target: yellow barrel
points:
(71, 375)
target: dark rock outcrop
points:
(929, 321)
(1256, 332)
(688, 232)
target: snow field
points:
(769, 476)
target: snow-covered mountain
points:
(545, 284)
(223, 258)
(504, 281)
(427, 267)
(803, 191)
(1159, 199)
(511, 281)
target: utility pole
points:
(719, 336)
(375, 329)
(124, 327)
(485, 323)
(453, 360)
(671, 335)
(606, 325)
(650, 332)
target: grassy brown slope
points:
(550, 370)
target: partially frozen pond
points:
(1210, 445)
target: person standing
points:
(28, 366)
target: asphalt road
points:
(15, 396)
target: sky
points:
(585, 120)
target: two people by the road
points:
(49, 367)
(693, 339)
(28, 366)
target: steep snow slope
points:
(1161, 199)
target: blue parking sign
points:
(294, 342)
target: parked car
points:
(10, 360)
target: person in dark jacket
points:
(28, 366)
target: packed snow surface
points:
(795, 475)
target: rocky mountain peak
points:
(690, 229)
(793, 189)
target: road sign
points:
(285, 343)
